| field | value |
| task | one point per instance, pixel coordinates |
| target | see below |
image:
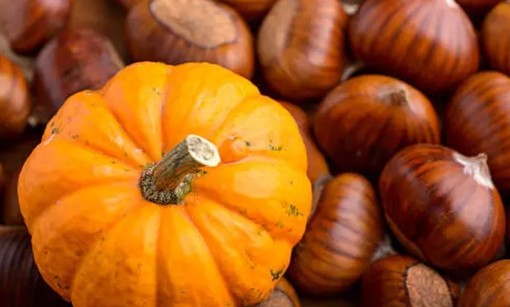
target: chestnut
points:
(401, 281)
(10, 213)
(489, 287)
(251, 9)
(443, 207)
(300, 46)
(496, 37)
(341, 238)
(430, 44)
(283, 295)
(28, 24)
(179, 31)
(15, 102)
(20, 281)
(364, 121)
(74, 60)
(477, 120)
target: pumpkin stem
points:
(169, 180)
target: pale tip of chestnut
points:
(398, 97)
(476, 167)
(384, 249)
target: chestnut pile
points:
(403, 105)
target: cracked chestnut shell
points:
(489, 287)
(179, 31)
(74, 60)
(341, 237)
(364, 121)
(429, 43)
(300, 47)
(401, 281)
(496, 37)
(443, 207)
(29, 24)
(477, 119)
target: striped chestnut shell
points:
(443, 207)
(429, 43)
(364, 121)
(477, 119)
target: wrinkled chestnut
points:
(179, 31)
(15, 103)
(76, 59)
(364, 121)
(28, 24)
(300, 46)
(401, 281)
(443, 207)
(341, 237)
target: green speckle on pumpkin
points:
(292, 210)
(248, 143)
(275, 275)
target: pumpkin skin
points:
(98, 242)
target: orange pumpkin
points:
(170, 186)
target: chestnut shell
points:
(429, 43)
(364, 121)
(496, 37)
(443, 207)
(477, 119)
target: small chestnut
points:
(74, 60)
(179, 31)
(364, 121)
(430, 44)
(251, 9)
(443, 207)
(496, 37)
(489, 287)
(283, 295)
(401, 281)
(300, 47)
(477, 120)
(341, 239)
(15, 102)
(28, 24)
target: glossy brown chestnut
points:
(429, 43)
(341, 237)
(11, 214)
(21, 285)
(401, 281)
(15, 103)
(364, 121)
(478, 8)
(477, 119)
(76, 59)
(179, 31)
(28, 24)
(443, 207)
(251, 9)
(496, 37)
(300, 46)
(489, 287)
(283, 295)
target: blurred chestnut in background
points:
(341, 237)
(15, 102)
(283, 295)
(179, 31)
(401, 281)
(478, 8)
(21, 285)
(443, 207)
(11, 214)
(477, 119)
(300, 46)
(430, 44)
(251, 9)
(364, 121)
(496, 37)
(490, 287)
(76, 59)
(128, 4)
(28, 24)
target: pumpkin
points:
(170, 186)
